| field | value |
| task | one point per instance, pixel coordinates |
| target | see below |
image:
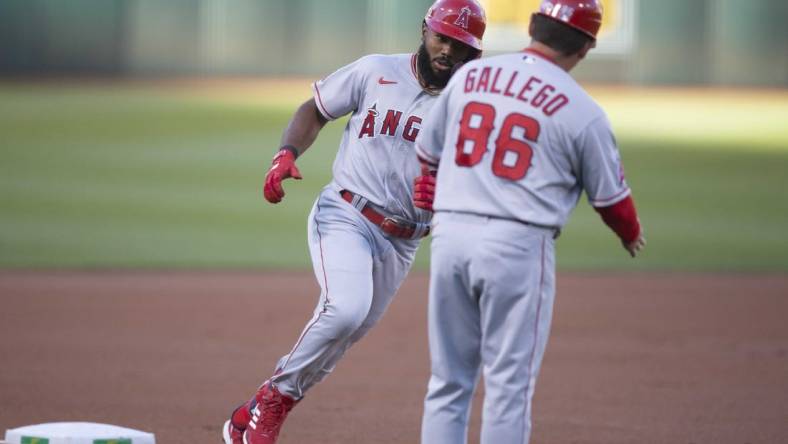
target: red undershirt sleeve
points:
(622, 218)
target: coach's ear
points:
(591, 44)
(423, 30)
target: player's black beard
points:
(432, 80)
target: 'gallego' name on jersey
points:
(531, 90)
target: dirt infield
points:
(652, 358)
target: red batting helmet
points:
(582, 15)
(462, 20)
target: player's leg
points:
(454, 338)
(390, 266)
(343, 261)
(516, 310)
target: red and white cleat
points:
(233, 430)
(268, 415)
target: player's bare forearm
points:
(304, 127)
(299, 135)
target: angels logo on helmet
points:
(462, 20)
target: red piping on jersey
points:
(325, 303)
(615, 196)
(424, 160)
(413, 68)
(320, 102)
(540, 54)
(424, 157)
(536, 337)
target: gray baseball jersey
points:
(516, 140)
(358, 267)
(388, 105)
(510, 156)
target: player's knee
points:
(347, 318)
(451, 388)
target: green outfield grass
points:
(140, 176)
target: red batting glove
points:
(282, 166)
(424, 190)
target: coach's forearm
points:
(304, 127)
(622, 218)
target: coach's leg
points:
(454, 337)
(516, 311)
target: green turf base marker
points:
(34, 440)
(111, 441)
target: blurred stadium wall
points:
(692, 42)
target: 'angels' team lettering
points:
(390, 125)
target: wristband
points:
(290, 148)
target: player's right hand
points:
(636, 245)
(282, 166)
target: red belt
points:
(393, 225)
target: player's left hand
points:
(636, 245)
(282, 166)
(424, 189)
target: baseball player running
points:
(363, 230)
(515, 141)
